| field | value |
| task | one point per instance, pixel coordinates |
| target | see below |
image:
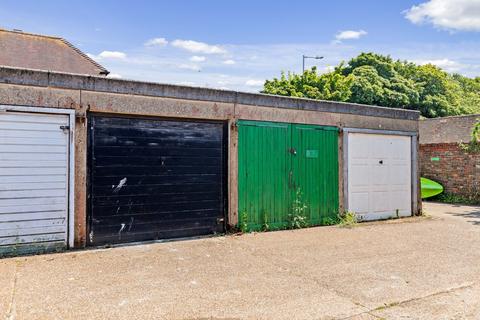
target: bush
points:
(451, 198)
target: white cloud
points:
(445, 64)
(109, 55)
(447, 14)
(112, 55)
(254, 83)
(159, 42)
(198, 47)
(186, 83)
(173, 66)
(223, 83)
(350, 34)
(229, 62)
(329, 68)
(114, 76)
(192, 67)
(197, 59)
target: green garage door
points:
(280, 164)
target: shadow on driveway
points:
(457, 210)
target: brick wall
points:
(457, 170)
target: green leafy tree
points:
(438, 93)
(375, 79)
(329, 86)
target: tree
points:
(328, 86)
(375, 79)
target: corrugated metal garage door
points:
(379, 175)
(154, 179)
(34, 153)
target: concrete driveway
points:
(415, 268)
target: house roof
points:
(34, 51)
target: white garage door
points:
(34, 153)
(379, 175)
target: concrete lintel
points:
(23, 76)
(27, 95)
(102, 84)
(341, 120)
(355, 108)
(103, 102)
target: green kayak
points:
(430, 188)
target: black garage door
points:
(154, 179)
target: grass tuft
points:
(348, 220)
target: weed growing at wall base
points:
(243, 222)
(298, 217)
(451, 198)
(266, 225)
(347, 220)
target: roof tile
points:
(34, 51)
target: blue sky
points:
(238, 44)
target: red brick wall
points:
(458, 171)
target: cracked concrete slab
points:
(461, 303)
(418, 268)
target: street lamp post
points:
(309, 57)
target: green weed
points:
(329, 221)
(243, 222)
(265, 225)
(298, 218)
(347, 220)
(474, 199)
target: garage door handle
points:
(381, 161)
